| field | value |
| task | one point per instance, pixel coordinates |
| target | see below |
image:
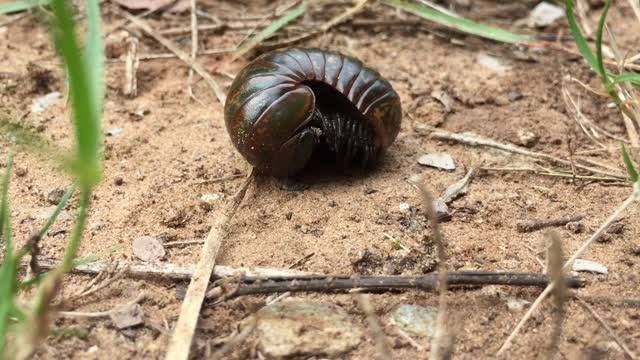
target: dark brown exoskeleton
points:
(285, 104)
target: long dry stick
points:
(441, 345)
(175, 272)
(616, 214)
(606, 326)
(331, 283)
(185, 328)
(474, 140)
(174, 49)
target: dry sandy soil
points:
(155, 173)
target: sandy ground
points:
(169, 145)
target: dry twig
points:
(474, 140)
(534, 225)
(330, 283)
(131, 68)
(180, 344)
(174, 272)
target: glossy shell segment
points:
(270, 100)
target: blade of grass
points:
(85, 109)
(581, 42)
(599, 57)
(59, 207)
(269, 30)
(460, 23)
(94, 53)
(8, 270)
(596, 62)
(633, 173)
(21, 6)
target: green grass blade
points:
(599, 58)
(581, 42)
(21, 5)
(8, 269)
(271, 29)
(626, 77)
(4, 206)
(59, 207)
(460, 23)
(94, 53)
(85, 110)
(633, 173)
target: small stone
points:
(118, 181)
(207, 201)
(41, 103)
(114, 131)
(303, 327)
(439, 161)
(491, 63)
(21, 171)
(527, 138)
(404, 207)
(54, 195)
(576, 227)
(148, 248)
(616, 228)
(416, 320)
(442, 210)
(589, 266)
(516, 304)
(126, 316)
(289, 215)
(515, 95)
(181, 291)
(545, 14)
(333, 203)
(369, 191)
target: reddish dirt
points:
(153, 168)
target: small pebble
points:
(41, 103)
(126, 316)
(527, 138)
(545, 14)
(439, 161)
(148, 248)
(581, 265)
(416, 320)
(118, 181)
(516, 304)
(296, 327)
(21, 171)
(114, 131)
(208, 201)
(515, 95)
(54, 195)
